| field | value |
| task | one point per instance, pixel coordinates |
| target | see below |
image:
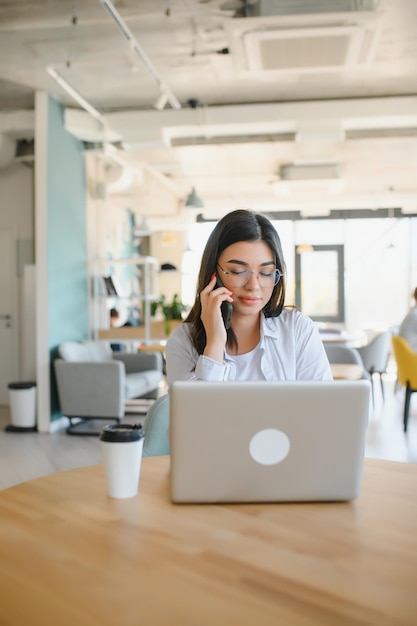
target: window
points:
(319, 282)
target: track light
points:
(127, 34)
(74, 94)
(161, 101)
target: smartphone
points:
(226, 307)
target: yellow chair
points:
(406, 360)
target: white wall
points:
(16, 213)
(168, 247)
(16, 193)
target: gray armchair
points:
(375, 357)
(94, 383)
(345, 354)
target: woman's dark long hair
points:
(239, 225)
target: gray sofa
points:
(93, 382)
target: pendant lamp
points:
(193, 200)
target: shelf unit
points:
(136, 282)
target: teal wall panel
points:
(67, 239)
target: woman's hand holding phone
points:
(213, 298)
(225, 307)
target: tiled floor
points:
(385, 435)
(30, 455)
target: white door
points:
(8, 321)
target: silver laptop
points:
(267, 441)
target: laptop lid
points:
(263, 441)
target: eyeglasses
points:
(240, 277)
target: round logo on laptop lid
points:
(269, 446)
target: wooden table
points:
(71, 556)
(346, 371)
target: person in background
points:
(114, 318)
(243, 269)
(408, 327)
(114, 323)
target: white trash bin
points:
(22, 397)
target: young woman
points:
(243, 265)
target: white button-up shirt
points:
(290, 345)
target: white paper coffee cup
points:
(122, 455)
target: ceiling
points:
(252, 89)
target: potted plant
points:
(170, 310)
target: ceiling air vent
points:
(309, 171)
(304, 43)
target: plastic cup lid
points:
(122, 432)
(22, 385)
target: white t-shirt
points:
(290, 349)
(248, 365)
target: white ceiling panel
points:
(261, 85)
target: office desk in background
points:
(134, 337)
(346, 371)
(70, 555)
(343, 338)
(157, 332)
